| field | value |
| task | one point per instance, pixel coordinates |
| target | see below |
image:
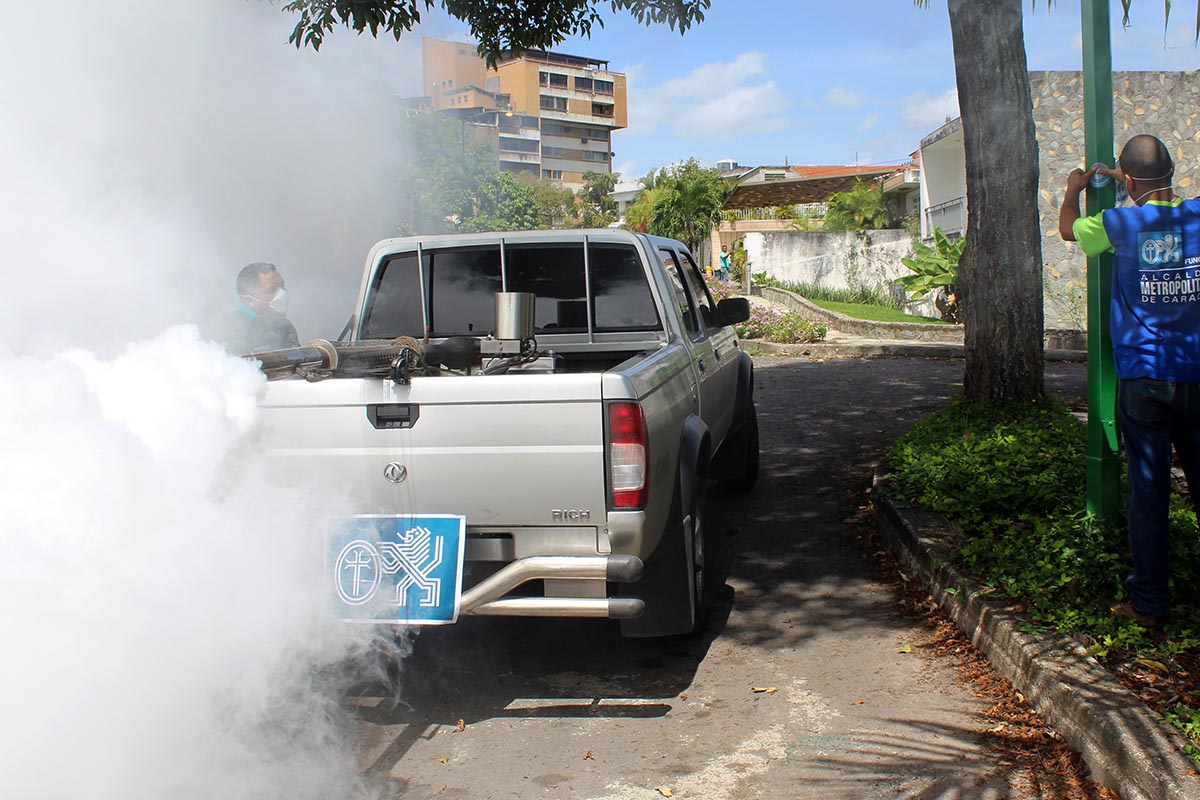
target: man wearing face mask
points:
(260, 320)
(1155, 323)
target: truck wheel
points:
(702, 566)
(745, 482)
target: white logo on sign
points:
(357, 572)
(1164, 250)
(416, 554)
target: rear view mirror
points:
(730, 311)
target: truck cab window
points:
(695, 281)
(462, 283)
(671, 266)
(620, 290)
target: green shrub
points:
(1012, 480)
(981, 465)
(770, 324)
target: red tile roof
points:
(831, 170)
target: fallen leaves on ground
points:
(1034, 755)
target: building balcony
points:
(950, 216)
(581, 119)
(519, 158)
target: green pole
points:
(1103, 468)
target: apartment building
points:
(553, 114)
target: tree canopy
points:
(498, 25)
(860, 209)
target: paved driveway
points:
(802, 688)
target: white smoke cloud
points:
(163, 605)
(165, 633)
(158, 147)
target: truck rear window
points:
(462, 283)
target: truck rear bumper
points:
(487, 598)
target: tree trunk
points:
(1000, 274)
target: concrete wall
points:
(1166, 104)
(835, 259)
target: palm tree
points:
(687, 202)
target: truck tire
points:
(701, 559)
(748, 441)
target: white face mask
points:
(279, 303)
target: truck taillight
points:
(627, 455)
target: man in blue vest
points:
(1155, 323)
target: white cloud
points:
(929, 112)
(627, 170)
(841, 97)
(719, 100)
(867, 123)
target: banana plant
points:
(933, 267)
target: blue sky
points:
(761, 81)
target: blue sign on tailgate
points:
(397, 569)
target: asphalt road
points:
(496, 708)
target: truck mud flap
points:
(666, 583)
(663, 582)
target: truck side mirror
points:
(729, 311)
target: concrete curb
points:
(879, 348)
(1124, 744)
(867, 329)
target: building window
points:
(552, 79)
(594, 155)
(583, 84)
(603, 87)
(553, 103)
(552, 152)
(602, 109)
(774, 176)
(518, 145)
(552, 174)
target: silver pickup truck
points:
(566, 395)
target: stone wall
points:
(1166, 104)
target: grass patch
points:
(869, 303)
(1012, 479)
(874, 313)
(865, 295)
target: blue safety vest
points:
(1156, 290)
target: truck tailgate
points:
(512, 439)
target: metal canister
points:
(514, 315)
